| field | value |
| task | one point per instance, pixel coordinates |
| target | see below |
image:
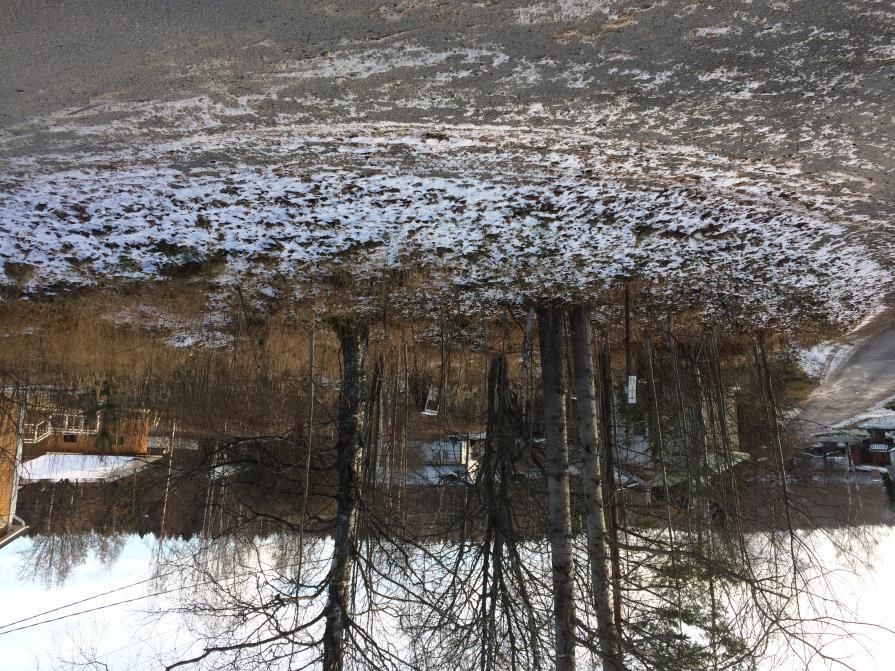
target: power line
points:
(92, 610)
(119, 603)
(85, 600)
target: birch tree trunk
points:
(600, 577)
(557, 457)
(349, 457)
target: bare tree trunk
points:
(770, 400)
(405, 422)
(557, 457)
(373, 433)
(659, 458)
(167, 481)
(349, 457)
(310, 447)
(593, 490)
(610, 497)
(525, 381)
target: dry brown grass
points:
(78, 334)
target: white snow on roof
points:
(56, 467)
(884, 422)
(163, 443)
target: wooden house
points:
(11, 526)
(80, 422)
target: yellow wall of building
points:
(9, 435)
(128, 436)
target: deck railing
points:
(59, 423)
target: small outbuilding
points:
(450, 458)
(879, 445)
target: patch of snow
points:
(649, 80)
(370, 62)
(525, 72)
(716, 31)
(822, 360)
(877, 412)
(883, 53)
(557, 11)
(56, 467)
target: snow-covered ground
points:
(492, 215)
(821, 360)
(826, 358)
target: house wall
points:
(81, 444)
(9, 437)
(131, 436)
(446, 451)
(877, 436)
(880, 458)
(133, 432)
(861, 455)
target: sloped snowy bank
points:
(491, 223)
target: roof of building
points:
(882, 422)
(55, 467)
(839, 435)
(162, 443)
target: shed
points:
(878, 447)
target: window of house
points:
(69, 438)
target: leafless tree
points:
(553, 377)
(592, 484)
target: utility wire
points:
(119, 603)
(92, 610)
(84, 600)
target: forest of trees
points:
(313, 543)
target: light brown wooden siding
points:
(9, 428)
